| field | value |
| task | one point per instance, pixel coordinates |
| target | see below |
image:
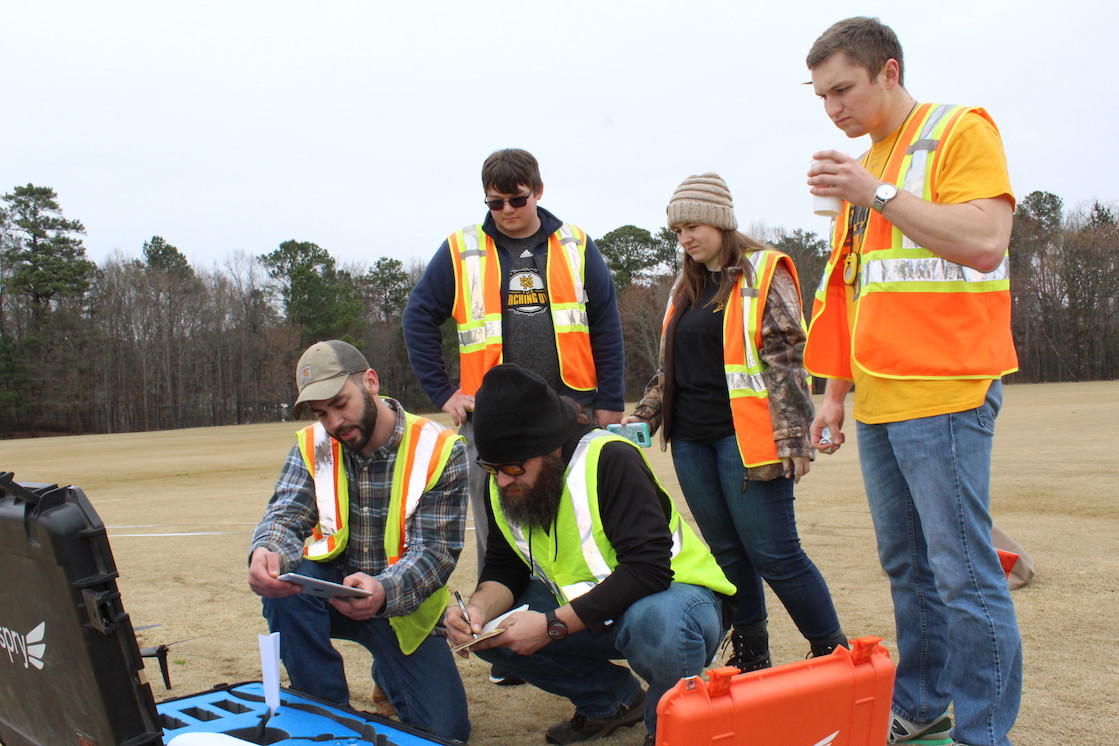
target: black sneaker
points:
(581, 728)
(501, 677)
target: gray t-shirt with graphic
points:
(526, 319)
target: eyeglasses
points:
(514, 202)
(511, 469)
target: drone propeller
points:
(159, 652)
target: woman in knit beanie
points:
(731, 394)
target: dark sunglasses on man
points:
(514, 202)
(511, 469)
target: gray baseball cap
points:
(323, 369)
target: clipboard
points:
(489, 629)
(474, 641)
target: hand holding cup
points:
(824, 206)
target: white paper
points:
(492, 628)
(497, 620)
(270, 669)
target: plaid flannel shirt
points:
(435, 530)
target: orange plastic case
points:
(842, 699)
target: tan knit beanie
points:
(703, 199)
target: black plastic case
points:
(70, 667)
(69, 662)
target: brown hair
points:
(582, 414)
(867, 42)
(693, 276)
(506, 171)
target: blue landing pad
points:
(238, 711)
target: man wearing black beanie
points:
(581, 532)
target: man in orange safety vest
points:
(913, 312)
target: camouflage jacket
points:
(790, 401)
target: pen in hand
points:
(465, 615)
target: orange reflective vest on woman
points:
(425, 447)
(477, 308)
(742, 362)
(917, 314)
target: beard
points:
(536, 505)
(364, 427)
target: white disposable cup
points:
(826, 207)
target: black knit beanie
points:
(518, 416)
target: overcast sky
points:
(361, 126)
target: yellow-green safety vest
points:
(571, 572)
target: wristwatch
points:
(883, 194)
(557, 629)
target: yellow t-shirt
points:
(973, 166)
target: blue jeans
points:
(424, 687)
(478, 485)
(928, 485)
(664, 637)
(753, 535)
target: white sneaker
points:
(936, 733)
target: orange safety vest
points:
(425, 448)
(742, 362)
(477, 309)
(918, 316)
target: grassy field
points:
(180, 507)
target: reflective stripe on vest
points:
(919, 315)
(477, 307)
(424, 450)
(422, 455)
(569, 573)
(322, 456)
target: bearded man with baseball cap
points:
(374, 498)
(583, 533)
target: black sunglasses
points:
(514, 202)
(511, 469)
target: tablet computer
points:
(322, 588)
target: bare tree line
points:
(155, 343)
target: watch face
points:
(886, 191)
(557, 630)
(883, 194)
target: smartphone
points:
(638, 432)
